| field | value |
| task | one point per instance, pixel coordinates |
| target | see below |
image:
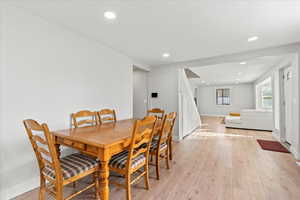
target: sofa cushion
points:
(233, 120)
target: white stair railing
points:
(189, 118)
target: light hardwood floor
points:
(216, 163)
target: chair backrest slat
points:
(48, 163)
(106, 116)
(44, 151)
(43, 145)
(141, 138)
(84, 118)
(143, 141)
(159, 113)
(139, 151)
(39, 139)
(167, 128)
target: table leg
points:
(104, 182)
(97, 183)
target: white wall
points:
(47, 73)
(140, 93)
(1, 104)
(169, 84)
(242, 97)
(273, 73)
(293, 62)
(164, 81)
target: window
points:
(264, 95)
(223, 96)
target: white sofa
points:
(251, 119)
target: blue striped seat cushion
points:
(154, 145)
(72, 165)
(120, 160)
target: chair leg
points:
(170, 149)
(146, 177)
(167, 158)
(157, 165)
(42, 188)
(128, 187)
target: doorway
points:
(140, 92)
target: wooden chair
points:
(84, 118)
(156, 112)
(58, 172)
(161, 145)
(171, 136)
(132, 160)
(106, 116)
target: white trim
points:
(236, 57)
(176, 138)
(292, 148)
(211, 115)
(283, 113)
(295, 152)
(21, 188)
(276, 135)
(191, 132)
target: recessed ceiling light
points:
(243, 63)
(110, 15)
(166, 55)
(251, 39)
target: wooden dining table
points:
(101, 141)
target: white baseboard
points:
(295, 152)
(190, 132)
(176, 138)
(211, 115)
(276, 136)
(21, 188)
(292, 148)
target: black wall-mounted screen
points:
(154, 94)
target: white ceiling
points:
(231, 73)
(187, 29)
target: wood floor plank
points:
(215, 163)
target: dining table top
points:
(103, 135)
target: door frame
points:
(282, 116)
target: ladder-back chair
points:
(135, 158)
(58, 172)
(106, 116)
(161, 145)
(84, 118)
(159, 113)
